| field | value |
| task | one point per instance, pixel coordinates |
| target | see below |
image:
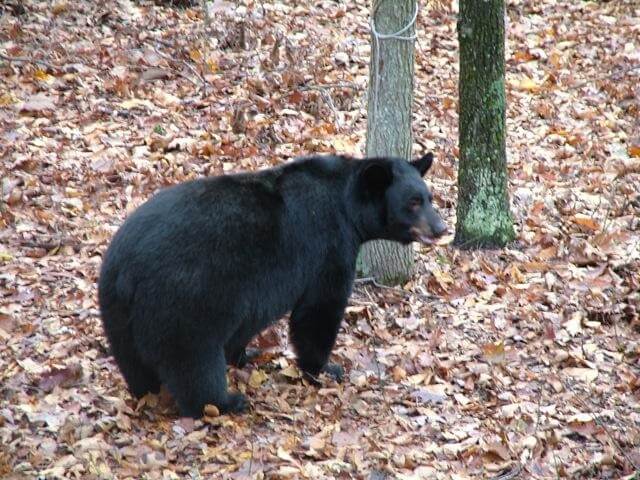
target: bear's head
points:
(396, 202)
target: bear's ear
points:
(423, 164)
(375, 177)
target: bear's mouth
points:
(427, 238)
(422, 236)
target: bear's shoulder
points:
(319, 166)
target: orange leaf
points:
(494, 352)
(586, 221)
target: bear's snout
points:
(427, 230)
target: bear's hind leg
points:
(236, 351)
(140, 378)
(240, 357)
(199, 378)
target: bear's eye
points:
(415, 203)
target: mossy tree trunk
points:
(483, 216)
(389, 122)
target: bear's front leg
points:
(313, 330)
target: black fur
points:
(201, 268)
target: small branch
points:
(29, 60)
(166, 43)
(375, 283)
(178, 72)
(603, 426)
(49, 244)
(326, 86)
(171, 59)
(510, 475)
(400, 291)
(604, 77)
(197, 74)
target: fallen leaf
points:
(574, 325)
(527, 84)
(63, 377)
(587, 375)
(257, 378)
(38, 103)
(494, 352)
(435, 393)
(586, 221)
(291, 372)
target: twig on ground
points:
(603, 426)
(510, 475)
(607, 76)
(326, 86)
(171, 59)
(400, 291)
(178, 72)
(197, 74)
(29, 60)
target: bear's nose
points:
(440, 230)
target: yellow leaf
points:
(7, 99)
(292, 372)
(43, 76)
(212, 65)
(5, 257)
(527, 85)
(257, 378)
(195, 55)
(242, 456)
(634, 151)
(344, 144)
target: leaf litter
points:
(492, 364)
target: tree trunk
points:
(389, 121)
(483, 216)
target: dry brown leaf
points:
(589, 223)
(38, 103)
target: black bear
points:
(202, 267)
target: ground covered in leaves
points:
(521, 363)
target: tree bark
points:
(389, 122)
(483, 216)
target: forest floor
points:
(519, 363)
